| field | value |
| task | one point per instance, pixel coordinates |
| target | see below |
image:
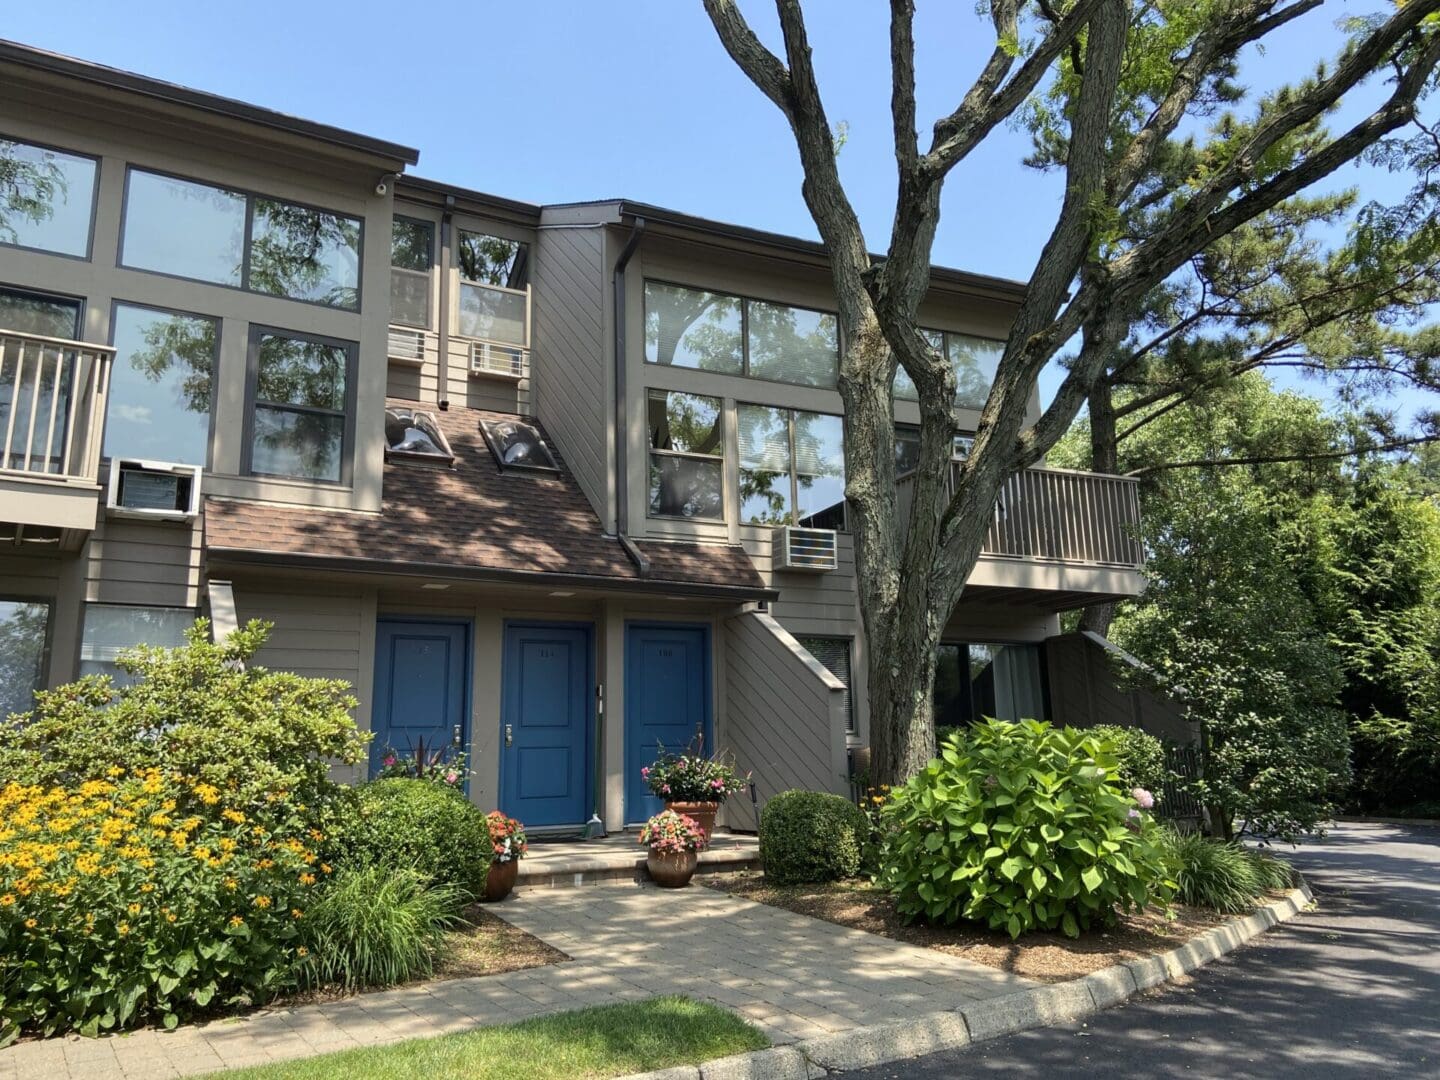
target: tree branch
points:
(1335, 455)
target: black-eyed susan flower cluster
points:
(145, 896)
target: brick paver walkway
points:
(793, 976)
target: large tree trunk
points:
(1104, 457)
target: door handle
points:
(455, 736)
(508, 735)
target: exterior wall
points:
(141, 562)
(1085, 692)
(571, 363)
(119, 137)
(784, 721)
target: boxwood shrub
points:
(1022, 826)
(416, 825)
(811, 836)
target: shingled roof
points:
(473, 521)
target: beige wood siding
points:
(319, 635)
(568, 367)
(142, 562)
(784, 713)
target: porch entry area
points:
(422, 687)
(667, 702)
(546, 718)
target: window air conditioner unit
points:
(814, 551)
(406, 346)
(501, 361)
(157, 490)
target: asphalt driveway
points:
(1350, 990)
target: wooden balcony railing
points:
(1058, 515)
(1061, 516)
(52, 407)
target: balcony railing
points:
(1061, 516)
(1058, 515)
(52, 407)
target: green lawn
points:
(610, 1040)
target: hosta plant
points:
(1022, 826)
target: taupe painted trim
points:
(114, 78)
(538, 578)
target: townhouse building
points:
(553, 485)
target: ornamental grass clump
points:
(1220, 874)
(1022, 826)
(146, 897)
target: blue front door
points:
(421, 688)
(547, 687)
(667, 702)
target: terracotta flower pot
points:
(702, 812)
(672, 870)
(500, 880)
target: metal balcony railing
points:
(52, 407)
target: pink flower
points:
(665, 789)
(389, 760)
(1143, 798)
(645, 771)
(450, 778)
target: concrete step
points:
(620, 858)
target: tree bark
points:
(1104, 457)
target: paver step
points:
(620, 858)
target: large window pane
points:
(819, 471)
(976, 680)
(792, 345)
(46, 198)
(37, 313)
(693, 329)
(300, 401)
(975, 361)
(492, 260)
(412, 247)
(687, 445)
(492, 314)
(305, 254)
(112, 628)
(23, 626)
(160, 389)
(764, 465)
(183, 228)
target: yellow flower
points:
(236, 920)
(325, 868)
(148, 887)
(209, 793)
(234, 816)
(169, 916)
(133, 909)
(302, 951)
(262, 901)
(307, 879)
(7, 900)
(295, 913)
(123, 928)
(115, 770)
(231, 883)
(30, 924)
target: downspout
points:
(442, 389)
(621, 485)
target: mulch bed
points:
(1044, 957)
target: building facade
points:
(554, 485)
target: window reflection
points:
(300, 401)
(686, 455)
(692, 328)
(412, 247)
(974, 681)
(184, 228)
(789, 344)
(494, 272)
(46, 198)
(160, 386)
(305, 254)
(45, 385)
(24, 627)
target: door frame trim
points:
(707, 633)
(590, 751)
(467, 732)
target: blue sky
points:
(559, 100)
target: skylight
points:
(517, 445)
(414, 435)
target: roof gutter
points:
(538, 578)
(621, 485)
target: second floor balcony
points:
(52, 419)
(1059, 538)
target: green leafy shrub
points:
(203, 711)
(1139, 756)
(1220, 874)
(376, 926)
(144, 897)
(811, 836)
(416, 825)
(1025, 827)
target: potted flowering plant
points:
(675, 842)
(508, 847)
(425, 763)
(693, 784)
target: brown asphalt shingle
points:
(471, 517)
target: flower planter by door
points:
(501, 880)
(672, 870)
(702, 812)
